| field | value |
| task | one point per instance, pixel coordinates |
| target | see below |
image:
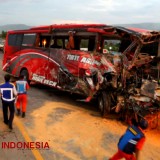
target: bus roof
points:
(142, 34)
(69, 26)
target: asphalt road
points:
(73, 130)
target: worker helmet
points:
(143, 123)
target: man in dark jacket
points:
(131, 142)
(8, 94)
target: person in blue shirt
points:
(8, 94)
(131, 142)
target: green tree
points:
(3, 34)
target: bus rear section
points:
(21, 54)
(15, 43)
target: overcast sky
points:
(45, 12)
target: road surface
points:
(74, 130)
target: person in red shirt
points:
(22, 87)
(70, 44)
(131, 143)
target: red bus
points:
(87, 59)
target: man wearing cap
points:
(131, 142)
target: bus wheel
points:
(25, 73)
(104, 103)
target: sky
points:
(46, 12)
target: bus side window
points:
(45, 41)
(84, 44)
(91, 44)
(28, 39)
(77, 43)
(56, 43)
(15, 40)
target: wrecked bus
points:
(94, 60)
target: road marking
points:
(22, 129)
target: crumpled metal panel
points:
(148, 88)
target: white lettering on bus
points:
(72, 57)
(38, 78)
(83, 60)
(46, 81)
(42, 79)
(90, 61)
(51, 83)
(86, 60)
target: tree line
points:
(3, 34)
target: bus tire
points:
(25, 73)
(104, 103)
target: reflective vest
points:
(8, 91)
(21, 86)
(128, 141)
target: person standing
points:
(131, 143)
(8, 94)
(22, 87)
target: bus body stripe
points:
(15, 59)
